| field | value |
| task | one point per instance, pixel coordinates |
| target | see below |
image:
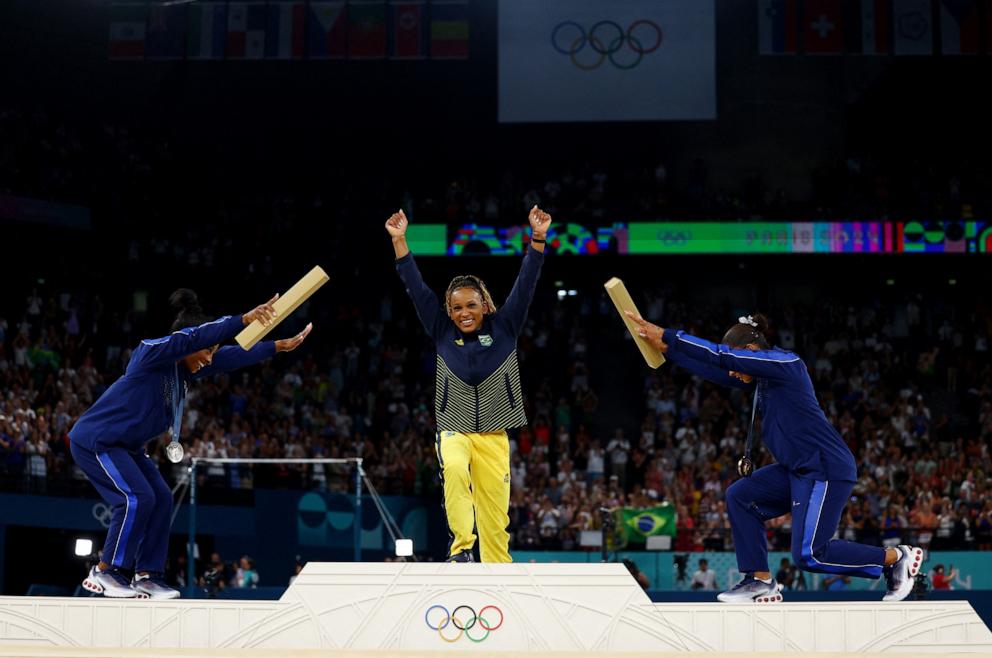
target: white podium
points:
(516, 608)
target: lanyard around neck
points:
(177, 406)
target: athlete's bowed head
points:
(747, 334)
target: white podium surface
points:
(576, 608)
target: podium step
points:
(511, 608)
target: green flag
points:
(634, 525)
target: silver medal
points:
(174, 451)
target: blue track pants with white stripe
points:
(141, 501)
(816, 507)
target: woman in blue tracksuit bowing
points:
(108, 441)
(814, 474)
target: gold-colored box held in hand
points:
(621, 299)
(283, 306)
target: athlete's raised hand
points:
(540, 222)
(396, 224)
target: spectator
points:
(836, 583)
(703, 578)
(618, 449)
(213, 578)
(246, 575)
(939, 581)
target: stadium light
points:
(84, 547)
(404, 547)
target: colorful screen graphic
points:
(646, 238)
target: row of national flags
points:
(290, 29)
(875, 27)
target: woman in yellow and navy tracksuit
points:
(478, 395)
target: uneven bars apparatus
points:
(191, 469)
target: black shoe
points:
(464, 556)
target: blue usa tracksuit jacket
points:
(815, 471)
(108, 441)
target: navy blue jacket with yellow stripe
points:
(143, 403)
(478, 377)
(793, 426)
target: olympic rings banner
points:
(624, 60)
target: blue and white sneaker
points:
(153, 586)
(111, 583)
(752, 590)
(901, 576)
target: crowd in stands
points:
(121, 167)
(907, 383)
(908, 386)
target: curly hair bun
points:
(185, 300)
(761, 321)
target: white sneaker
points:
(752, 590)
(111, 583)
(153, 586)
(901, 576)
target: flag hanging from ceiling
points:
(407, 30)
(206, 33)
(823, 32)
(327, 29)
(777, 21)
(960, 27)
(366, 29)
(912, 24)
(127, 30)
(166, 32)
(246, 30)
(284, 33)
(874, 18)
(449, 29)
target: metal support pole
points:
(358, 511)
(191, 543)
(607, 524)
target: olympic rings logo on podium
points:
(464, 624)
(642, 37)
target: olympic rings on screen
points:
(464, 623)
(570, 38)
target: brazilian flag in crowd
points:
(634, 525)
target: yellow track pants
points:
(475, 470)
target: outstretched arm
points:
(514, 311)
(706, 371)
(233, 357)
(429, 310)
(770, 364)
(171, 348)
(665, 340)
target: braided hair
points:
(469, 281)
(749, 329)
(187, 307)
